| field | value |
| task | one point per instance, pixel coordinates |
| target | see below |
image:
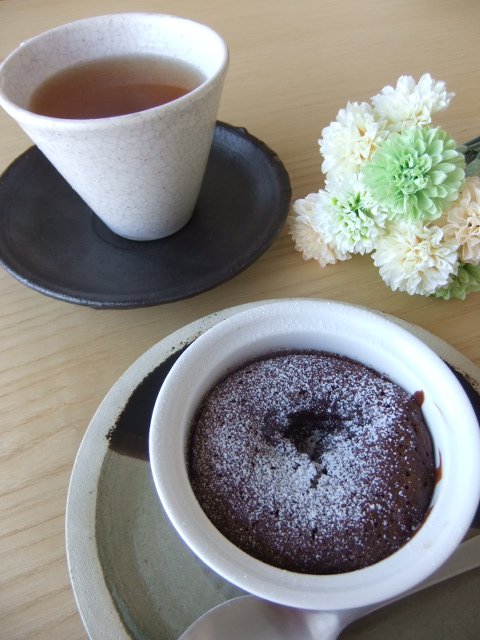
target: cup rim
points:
(415, 561)
(23, 114)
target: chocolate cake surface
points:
(312, 462)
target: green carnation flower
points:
(466, 281)
(415, 173)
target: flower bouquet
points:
(400, 189)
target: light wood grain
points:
(293, 65)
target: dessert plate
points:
(51, 241)
(131, 574)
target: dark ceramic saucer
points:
(51, 241)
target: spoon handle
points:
(328, 625)
(249, 617)
(466, 557)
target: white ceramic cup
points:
(141, 173)
(369, 338)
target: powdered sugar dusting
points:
(312, 462)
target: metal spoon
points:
(251, 618)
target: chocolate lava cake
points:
(312, 462)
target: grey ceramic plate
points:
(132, 576)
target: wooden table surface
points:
(293, 65)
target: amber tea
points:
(114, 87)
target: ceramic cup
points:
(141, 173)
(368, 338)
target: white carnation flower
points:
(351, 140)
(409, 103)
(343, 186)
(415, 258)
(463, 221)
(349, 218)
(305, 231)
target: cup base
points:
(142, 237)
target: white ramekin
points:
(364, 336)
